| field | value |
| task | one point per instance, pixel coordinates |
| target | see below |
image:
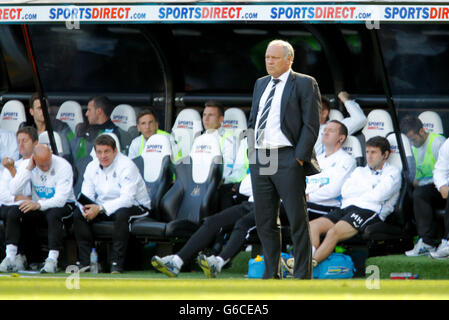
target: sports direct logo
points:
(214, 13)
(230, 124)
(120, 119)
(10, 116)
(394, 149)
(375, 125)
(154, 148)
(67, 116)
(429, 127)
(203, 149)
(185, 125)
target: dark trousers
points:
(228, 197)
(85, 238)
(223, 221)
(425, 200)
(52, 217)
(286, 183)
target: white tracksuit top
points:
(8, 146)
(120, 185)
(324, 188)
(441, 169)
(51, 189)
(373, 190)
(6, 197)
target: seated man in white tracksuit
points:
(368, 196)
(114, 183)
(27, 139)
(51, 178)
(353, 123)
(323, 190)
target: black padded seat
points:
(144, 227)
(192, 197)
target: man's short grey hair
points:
(288, 49)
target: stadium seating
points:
(187, 127)
(44, 138)
(395, 157)
(335, 114)
(12, 115)
(353, 146)
(71, 113)
(379, 123)
(432, 122)
(156, 169)
(193, 195)
(124, 117)
(235, 122)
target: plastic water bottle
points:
(93, 261)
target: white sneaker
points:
(211, 266)
(8, 265)
(420, 249)
(21, 262)
(288, 265)
(50, 266)
(442, 251)
(166, 265)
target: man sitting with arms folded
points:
(323, 190)
(368, 196)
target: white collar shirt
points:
(273, 136)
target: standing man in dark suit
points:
(285, 117)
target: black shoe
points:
(115, 268)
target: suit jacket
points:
(300, 116)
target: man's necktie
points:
(264, 116)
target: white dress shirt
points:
(273, 137)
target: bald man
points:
(52, 200)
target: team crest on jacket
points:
(43, 178)
(196, 191)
